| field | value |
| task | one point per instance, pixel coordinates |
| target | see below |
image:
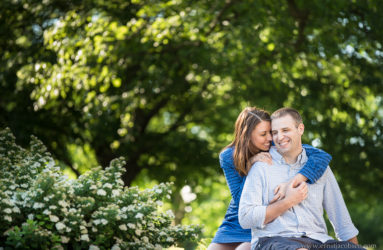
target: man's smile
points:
(283, 143)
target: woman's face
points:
(261, 136)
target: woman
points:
(252, 140)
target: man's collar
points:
(278, 158)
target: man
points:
(296, 221)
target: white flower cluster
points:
(41, 208)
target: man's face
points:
(287, 136)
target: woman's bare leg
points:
(244, 246)
(223, 246)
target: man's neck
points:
(291, 157)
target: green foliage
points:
(41, 209)
(210, 207)
(118, 77)
(32, 236)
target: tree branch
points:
(181, 117)
(69, 164)
(301, 16)
(217, 19)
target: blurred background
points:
(162, 82)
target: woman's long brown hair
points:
(246, 122)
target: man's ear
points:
(301, 128)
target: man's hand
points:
(354, 240)
(295, 195)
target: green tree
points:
(161, 82)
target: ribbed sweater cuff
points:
(309, 173)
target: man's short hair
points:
(287, 111)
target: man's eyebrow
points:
(279, 129)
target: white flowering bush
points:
(41, 209)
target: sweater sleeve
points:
(233, 179)
(316, 165)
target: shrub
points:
(41, 208)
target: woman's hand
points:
(279, 192)
(263, 157)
